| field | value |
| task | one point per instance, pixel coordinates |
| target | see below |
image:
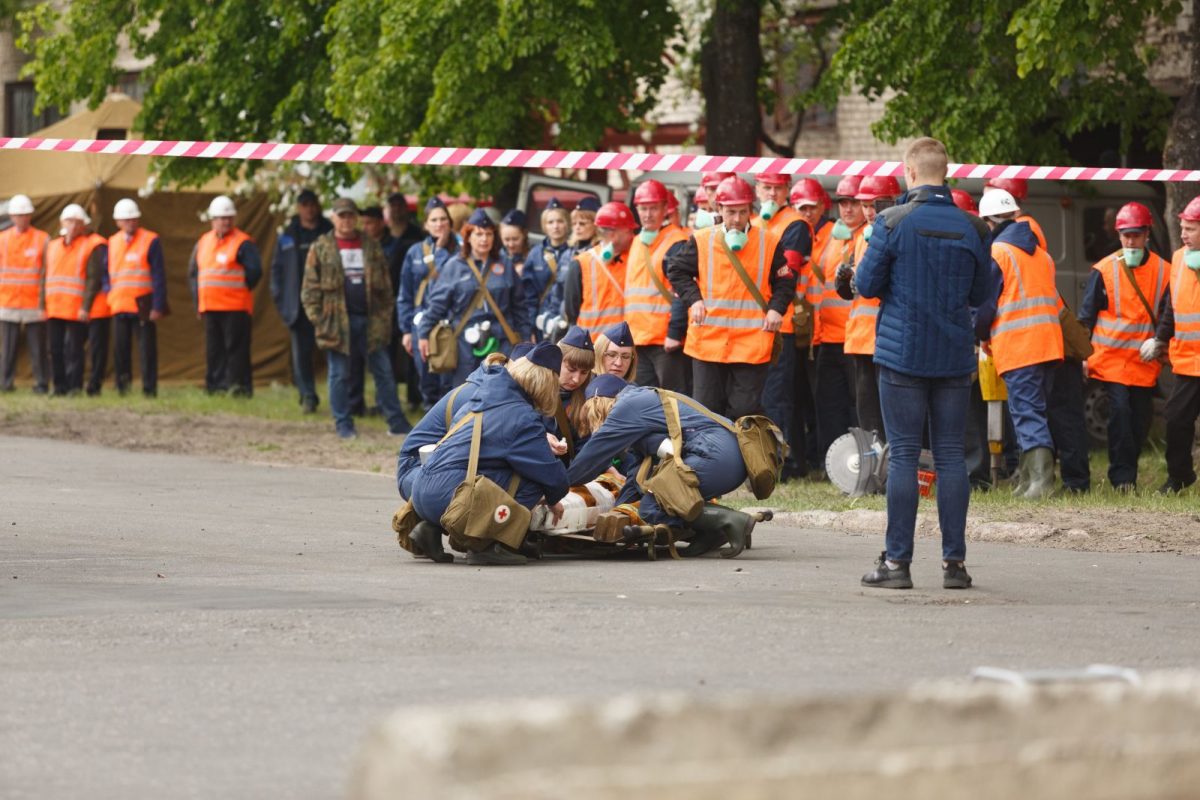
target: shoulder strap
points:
(552, 263)
(674, 431)
(687, 401)
(483, 292)
(1138, 290)
(450, 403)
(476, 301)
(431, 275)
(598, 264)
(745, 276)
(658, 283)
(564, 425)
(476, 438)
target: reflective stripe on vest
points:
(1026, 330)
(603, 302)
(1122, 327)
(1184, 349)
(646, 311)
(860, 325)
(220, 277)
(834, 310)
(129, 270)
(732, 330)
(21, 267)
(66, 278)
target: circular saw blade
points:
(853, 463)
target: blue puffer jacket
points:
(928, 262)
(514, 440)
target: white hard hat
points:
(126, 209)
(221, 206)
(997, 202)
(20, 204)
(75, 211)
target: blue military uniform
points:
(514, 440)
(638, 424)
(414, 272)
(538, 276)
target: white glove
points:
(1150, 350)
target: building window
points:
(19, 119)
(130, 84)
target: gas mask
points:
(1133, 255)
(704, 219)
(736, 239)
(768, 209)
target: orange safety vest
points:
(835, 311)
(1037, 230)
(21, 267)
(66, 278)
(864, 311)
(1185, 303)
(603, 290)
(1026, 329)
(732, 331)
(776, 225)
(220, 277)
(129, 269)
(646, 310)
(1124, 325)
(813, 286)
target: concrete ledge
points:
(984, 741)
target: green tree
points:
(507, 73)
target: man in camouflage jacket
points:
(347, 295)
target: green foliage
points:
(459, 72)
(1003, 81)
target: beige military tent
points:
(96, 182)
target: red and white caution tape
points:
(565, 159)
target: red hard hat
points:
(711, 179)
(1017, 187)
(650, 192)
(734, 191)
(672, 202)
(1192, 212)
(964, 201)
(847, 187)
(875, 186)
(809, 189)
(615, 215)
(1133, 215)
(701, 196)
(772, 179)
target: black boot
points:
(885, 577)
(496, 555)
(717, 525)
(426, 540)
(1039, 462)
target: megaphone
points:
(857, 463)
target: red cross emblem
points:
(502, 514)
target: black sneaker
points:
(884, 577)
(954, 576)
(1173, 486)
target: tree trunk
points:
(1182, 149)
(730, 60)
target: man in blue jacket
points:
(928, 263)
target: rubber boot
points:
(1023, 474)
(426, 539)
(1040, 464)
(716, 526)
(496, 555)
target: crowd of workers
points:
(771, 298)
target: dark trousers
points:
(1028, 392)
(67, 339)
(99, 332)
(1129, 409)
(836, 412)
(1068, 428)
(1183, 406)
(39, 356)
(657, 367)
(127, 325)
(777, 396)
(356, 386)
(732, 390)
(975, 440)
(304, 347)
(804, 439)
(866, 395)
(227, 352)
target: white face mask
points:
(736, 240)
(704, 219)
(867, 233)
(1191, 259)
(1133, 255)
(607, 252)
(648, 237)
(841, 231)
(768, 209)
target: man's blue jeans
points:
(1028, 390)
(380, 363)
(909, 404)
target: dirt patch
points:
(227, 437)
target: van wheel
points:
(1095, 413)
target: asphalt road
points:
(176, 627)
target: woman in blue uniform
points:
(615, 353)
(511, 404)
(494, 323)
(578, 359)
(423, 264)
(436, 422)
(514, 239)
(635, 421)
(546, 259)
